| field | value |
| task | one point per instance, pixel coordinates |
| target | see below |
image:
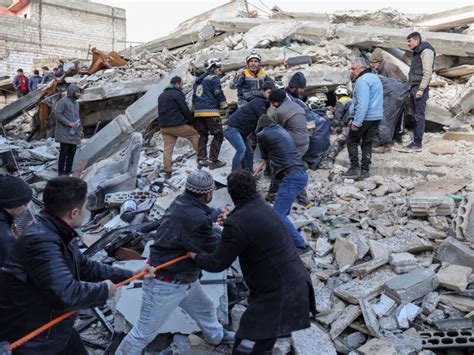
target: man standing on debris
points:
(15, 194)
(47, 275)
(289, 177)
(186, 226)
(275, 275)
(68, 131)
(20, 83)
(251, 80)
(367, 110)
(175, 120)
(208, 100)
(421, 69)
(34, 80)
(47, 75)
(385, 68)
(242, 123)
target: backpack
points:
(23, 87)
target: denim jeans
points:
(290, 186)
(159, 300)
(243, 149)
(418, 108)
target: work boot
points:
(351, 173)
(202, 163)
(216, 164)
(167, 175)
(364, 174)
(228, 338)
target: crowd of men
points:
(23, 85)
(43, 273)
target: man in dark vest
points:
(421, 70)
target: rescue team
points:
(44, 274)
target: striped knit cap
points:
(200, 182)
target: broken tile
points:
(323, 298)
(345, 251)
(323, 247)
(454, 277)
(370, 318)
(335, 313)
(383, 306)
(464, 304)
(361, 270)
(410, 286)
(349, 314)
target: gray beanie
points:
(376, 55)
(200, 182)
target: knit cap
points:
(277, 95)
(14, 192)
(376, 56)
(297, 80)
(263, 122)
(200, 182)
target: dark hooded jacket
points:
(46, 276)
(7, 238)
(66, 112)
(246, 117)
(172, 108)
(186, 226)
(281, 293)
(208, 97)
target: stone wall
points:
(59, 29)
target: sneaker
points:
(167, 175)
(364, 174)
(228, 338)
(202, 163)
(351, 173)
(413, 147)
(216, 164)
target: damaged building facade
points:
(393, 255)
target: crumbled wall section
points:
(59, 29)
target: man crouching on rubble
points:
(46, 275)
(281, 293)
(186, 225)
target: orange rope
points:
(66, 315)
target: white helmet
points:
(314, 103)
(341, 90)
(253, 55)
(279, 84)
(212, 62)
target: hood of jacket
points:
(72, 89)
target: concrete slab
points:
(313, 340)
(350, 314)
(410, 286)
(454, 252)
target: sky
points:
(151, 19)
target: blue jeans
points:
(243, 149)
(159, 300)
(291, 185)
(419, 107)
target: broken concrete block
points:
(383, 306)
(313, 340)
(407, 314)
(389, 323)
(464, 304)
(323, 246)
(378, 346)
(367, 287)
(406, 242)
(409, 342)
(336, 311)
(454, 277)
(323, 298)
(345, 251)
(439, 222)
(349, 315)
(454, 323)
(434, 316)
(355, 340)
(370, 318)
(403, 262)
(377, 250)
(362, 270)
(430, 301)
(454, 252)
(423, 204)
(410, 286)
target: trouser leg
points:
(214, 126)
(201, 128)
(74, 345)
(236, 140)
(339, 143)
(66, 158)
(169, 140)
(353, 141)
(366, 145)
(419, 107)
(70, 158)
(248, 155)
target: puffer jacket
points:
(7, 238)
(277, 146)
(246, 117)
(249, 84)
(66, 112)
(45, 276)
(172, 108)
(292, 117)
(186, 226)
(367, 100)
(208, 98)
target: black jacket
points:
(277, 146)
(172, 108)
(7, 238)
(46, 276)
(281, 293)
(416, 68)
(246, 117)
(186, 226)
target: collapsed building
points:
(393, 255)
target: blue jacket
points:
(367, 100)
(34, 81)
(208, 98)
(248, 84)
